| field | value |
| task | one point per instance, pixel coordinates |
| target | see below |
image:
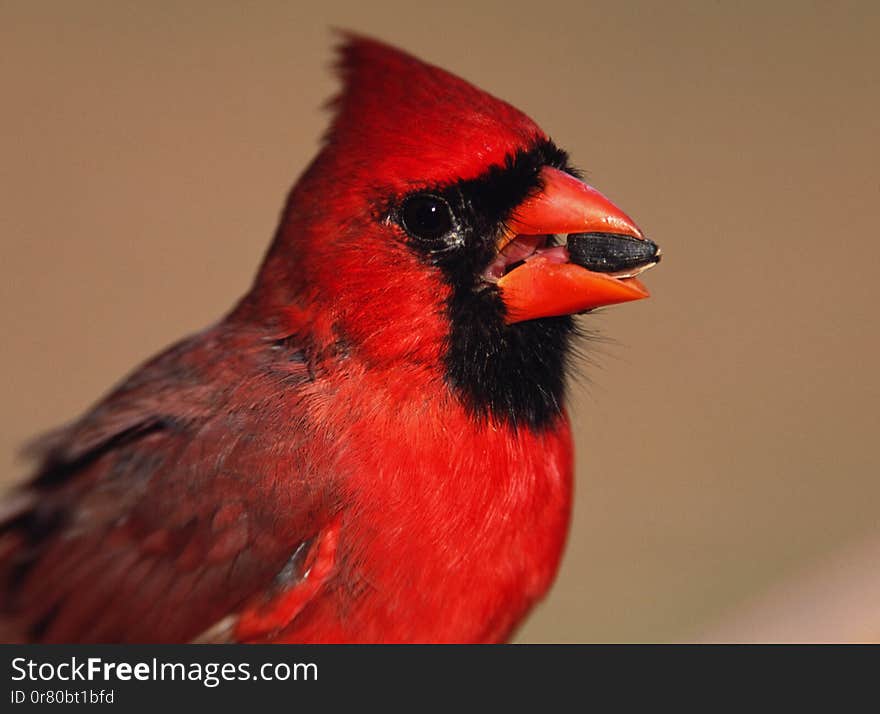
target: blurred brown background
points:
(726, 437)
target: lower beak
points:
(605, 251)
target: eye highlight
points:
(426, 217)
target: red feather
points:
(301, 471)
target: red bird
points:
(371, 446)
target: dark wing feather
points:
(168, 506)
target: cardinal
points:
(371, 446)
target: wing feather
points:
(170, 505)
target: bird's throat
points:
(514, 374)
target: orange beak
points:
(549, 283)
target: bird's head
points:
(439, 226)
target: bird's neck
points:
(510, 374)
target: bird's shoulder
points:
(181, 495)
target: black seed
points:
(610, 252)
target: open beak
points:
(604, 252)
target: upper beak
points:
(549, 283)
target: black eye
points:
(426, 217)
